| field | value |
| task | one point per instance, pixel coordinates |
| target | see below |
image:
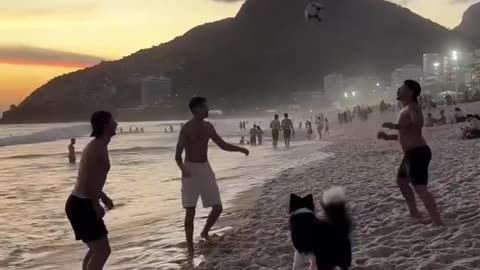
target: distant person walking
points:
(327, 128)
(308, 125)
(260, 135)
(288, 130)
(275, 126)
(198, 178)
(413, 169)
(71, 151)
(83, 207)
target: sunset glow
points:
(43, 39)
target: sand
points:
(384, 236)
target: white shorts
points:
(201, 183)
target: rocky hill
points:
(471, 21)
(255, 59)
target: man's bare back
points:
(410, 124)
(94, 167)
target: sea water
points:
(146, 228)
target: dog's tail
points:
(334, 205)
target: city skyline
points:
(89, 31)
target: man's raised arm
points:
(224, 145)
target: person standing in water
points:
(260, 135)
(198, 178)
(288, 130)
(327, 128)
(83, 207)
(275, 126)
(253, 135)
(71, 151)
(414, 166)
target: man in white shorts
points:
(198, 179)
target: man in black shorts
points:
(414, 167)
(288, 130)
(83, 207)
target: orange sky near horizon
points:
(51, 38)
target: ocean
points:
(146, 228)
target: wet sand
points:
(384, 236)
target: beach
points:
(146, 228)
(384, 236)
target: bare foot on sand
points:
(190, 250)
(205, 236)
(419, 217)
(438, 223)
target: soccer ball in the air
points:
(314, 11)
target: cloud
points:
(228, 1)
(462, 1)
(26, 55)
(8, 14)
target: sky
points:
(41, 39)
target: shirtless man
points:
(275, 126)
(71, 152)
(198, 179)
(414, 167)
(288, 130)
(83, 207)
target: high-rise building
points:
(333, 85)
(155, 90)
(432, 65)
(407, 72)
(476, 70)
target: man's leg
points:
(407, 192)
(86, 260)
(430, 204)
(211, 220)
(99, 252)
(189, 226)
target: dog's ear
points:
(294, 201)
(308, 201)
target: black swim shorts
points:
(287, 133)
(84, 220)
(415, 165)
(275, 135)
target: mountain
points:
(256, 58)
(471, 21)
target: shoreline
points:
(384, 237)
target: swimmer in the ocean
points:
(71, 151)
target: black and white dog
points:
(324, 240)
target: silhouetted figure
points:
(253, 135)
(260, 135)
(71, 151)
(275, 126)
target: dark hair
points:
(276, 116)
(196, 101)
(98, 121)
(457, 109)
(286, 115)
(414, 86)
(470, 116)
